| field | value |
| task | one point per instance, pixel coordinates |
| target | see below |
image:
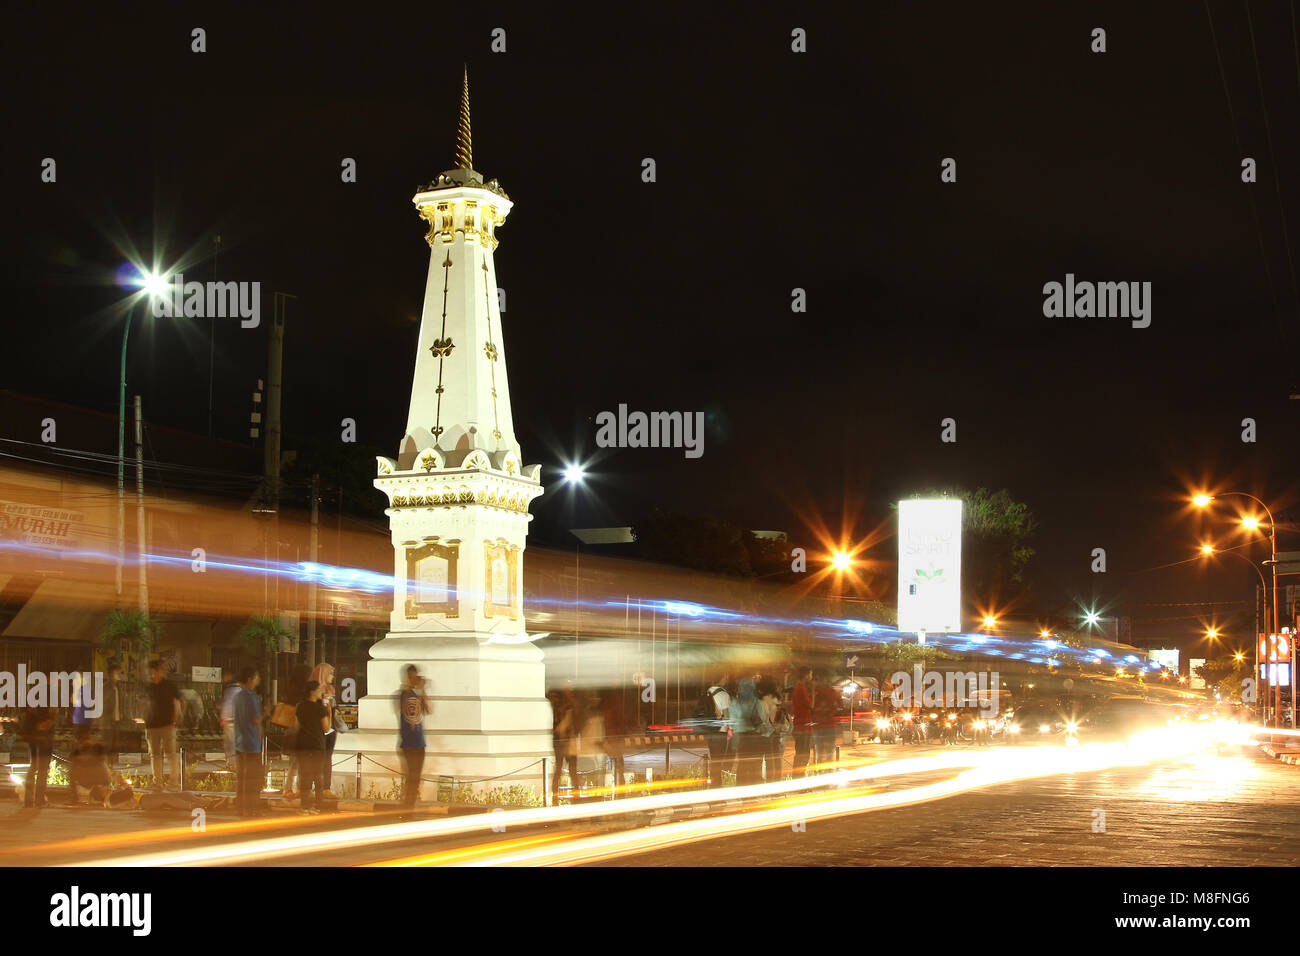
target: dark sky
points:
(775, 170)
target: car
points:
(1040, 721)
(1120, 717)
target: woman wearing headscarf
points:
(323, 674)
(750, 729)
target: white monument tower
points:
(458, 509)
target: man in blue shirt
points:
(247, 707)
(412, 705)
(229, 691)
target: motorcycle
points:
(911, 728)
(886, 732)
(949, 730)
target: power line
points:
(1254, 211)
(1272, 157)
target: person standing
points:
(229, 688)
(294, 694)
(37, 731)
(160, 725)
(111, 719)
(247, 708)
(323, 674)
(825, 704)
(714, 704)
(801, 714)
(774, 756)
(412, 704)
(80, 687)
(612, 743)
(564, 739)
(750, 729)
(313, 722)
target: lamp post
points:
(1251, 524)
(1208, 550)
(151, 285)
(574, 476)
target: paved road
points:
(1210, 811)
(1236, 810)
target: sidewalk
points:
(60, 832)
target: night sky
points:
(775, 170)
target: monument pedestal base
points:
(489, 725)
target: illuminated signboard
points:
(1164, 657)
(929, 565)
(1275, 657)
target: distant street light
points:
(990, 621)
(1251, 523)
(841, 561)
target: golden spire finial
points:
(464, 146)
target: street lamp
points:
(152, 286)
(841, 561)
(574, 476)
(1208, 550)
(1251, 523)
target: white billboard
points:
(929, 565)
(1165, 657)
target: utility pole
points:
(212, 335)
(274, 379)
(141, 523)
(271, 451)
(338, 558)
(314, 558)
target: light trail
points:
(1049, 653)
(375, 834)
(1002, 767)
(982, 768)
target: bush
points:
(517, 795)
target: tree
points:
(265, 634)
(900, 655)
(699, 543)
(350, 467)
(127, 635)
(1224, 674)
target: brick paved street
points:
(1228, 811)
(1238, 810)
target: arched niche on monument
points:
(501, 574)
(431, 572)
